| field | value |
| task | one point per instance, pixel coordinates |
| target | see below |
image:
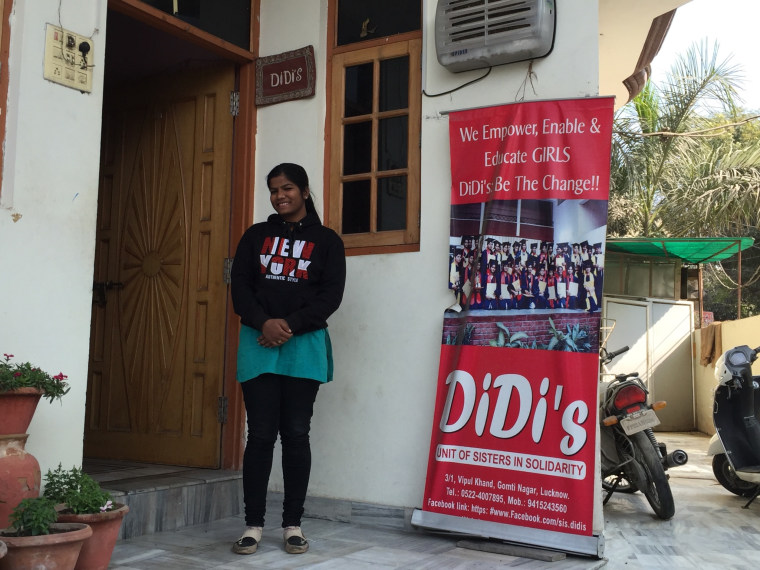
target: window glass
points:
(394, 83)
(391, 199)
(363, 20)
(357, 148)
(612, 269)
(392, 143)
(637, 279)
(358, 96)
(229, 20)
(663, 280)
(356, 206)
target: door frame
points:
(241, 197)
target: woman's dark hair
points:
(297, 175)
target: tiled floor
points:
(710, 530)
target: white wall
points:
(579, 222)
(47, 218)
(733, 333)
(372, 425)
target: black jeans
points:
(275, 403)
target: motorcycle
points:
(735, 447)
(631, 457)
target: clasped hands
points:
(274, 332)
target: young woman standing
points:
(287, 279)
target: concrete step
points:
(166, 497)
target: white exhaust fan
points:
(473, 34)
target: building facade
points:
(121, 198)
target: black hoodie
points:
(292, 271)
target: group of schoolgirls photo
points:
(491, 272)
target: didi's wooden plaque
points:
(285, 76)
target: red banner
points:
(535, 150)
(513, 437)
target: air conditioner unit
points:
(473, 34)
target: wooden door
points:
(159, 300)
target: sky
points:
(734, 24)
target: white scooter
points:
(735, 447)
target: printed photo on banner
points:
(541, 260)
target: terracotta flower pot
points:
(58, 550)
(17, 408)
(96, 551)
(19, 475)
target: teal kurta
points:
(307, 355)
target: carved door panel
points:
(159, 305)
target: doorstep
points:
(165, 497)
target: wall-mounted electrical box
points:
(68, 58)
(473, 34)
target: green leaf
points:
(518, 336)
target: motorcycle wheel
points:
(726, 476)
(656, 487)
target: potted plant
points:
(80, 499)
(21, 387)
(35, 540)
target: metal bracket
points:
(227, 270)
(234, 103)
(222, 410)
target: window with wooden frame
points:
(373, 174)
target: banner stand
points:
(514, 451)
(585, 545)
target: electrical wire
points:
(426, 94)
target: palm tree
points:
(686, 163)
(680, 164)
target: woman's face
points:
(287, 199)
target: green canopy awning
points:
(690, 250)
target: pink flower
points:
(107, 507)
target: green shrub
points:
(33, 517)
(78, 491)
